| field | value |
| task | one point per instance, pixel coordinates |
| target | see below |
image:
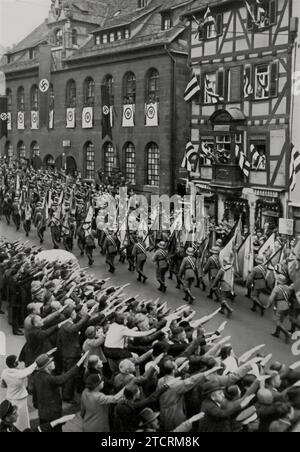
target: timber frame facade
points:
(244, 63)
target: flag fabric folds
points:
(107, 110)
(3, 116)
(243, 162)
(192, 89)
(191, 158)
(294, 167)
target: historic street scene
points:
(150, 216)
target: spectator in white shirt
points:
(14, 380)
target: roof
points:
(38, 35)
(199, 5)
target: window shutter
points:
(220, 83)
(235, 83)
(219, 24)
(274, 79)
(273, 12)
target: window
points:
(266, 81)
(31, 54)
(89, 92)
(104, 38)
(34, 98)
(129, 89)
(21, 99)
(9, 99)
(258, 154)
(109, 82)
(112, 37)
(210, 88)
(9, 150)
(130, 166)
(235, 84)
(223, 148)
(119, 35)
(153, 165)
(166, 21)
(210, 26)
(58, 38)
(71, 94)
(110, 159)
(152, 86)
(21, 150)
(35, 149)
(74, 37)
(89, 161)
(142, 3)
(97, 40)
(127, 33)
(262, 14)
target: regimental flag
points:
(87, 118)
(268, 249)
(210, 94)
(9, 126)
(107, 113)
(3, 116)
(51, 119)
(294, 167)
(243, 162)
(192, 89)
(34, 120)
(70, 118)
(272, 263)
(191, 158)
(229, 255)
(128, 115)
(151, 113)
(245, 258)
(254, 155)
(21, 120)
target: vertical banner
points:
(3, 116)
(34, 120)
(87, 117)
(151, 112)
(106, 113)
(21, 120)
(70, 118)
(128, 115)
(9, 121)
(44, 84)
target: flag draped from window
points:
(151, 113)
(190, 159)
(107, 113)
(87, 117)
(294, 167)
(244, 164)
(21, 120)
(192, 89)
(34, 120)
(128, 115)
(211, 95)
(70, 118)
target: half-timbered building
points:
(242, 53)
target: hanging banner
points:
(87, 117)
(128, 115)
(21, 120)
(8, 121)
(151, 111)
(3, 116)
(51, 119)
(286, 226)
(34, 120)
(45, 58)
(70, 118)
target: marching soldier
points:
(222, 286)
(110, 248)
(212, 267)
(175, 263)
(129, 249)
(188, 273)
(55, 231)
(257, 284)
(281, 299)
(27, 219)
(90, 246)
(7, 208)
(161, 261)
(139, 255)
(16, 214)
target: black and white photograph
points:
(149, 219)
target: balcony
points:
(227, 178)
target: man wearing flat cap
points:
(8, 417)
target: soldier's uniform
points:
(27, 219)
(188, 273)
(89, 247)
(129, 249)
(139, 255)
(160, 259)
(7, 208)
(223, 288)
(281, 299)
(55, 232)
(212, 267)
(16, 214)
(258, 285)
(110, 247)
(175, 262)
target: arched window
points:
(109, 82)
(9, 99)
(153, 165)
(74, 37)
(130, 165)
(21, 99)
(89, 160)
(89, 92)
(58, 37)
(9, 151)
(71, 94)
(34, 98)
(152, 86)
(35, 149)
(129, 88)
(21, 150)
(110, 159)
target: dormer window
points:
(98, 40)
(74, 37)
(261, 14)
(58, 38)
(210, 26)
(119, 35)
(112, 37)
(142, 4)
(127, 33)
(104, 38)
(166, 21)
(31, 54)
